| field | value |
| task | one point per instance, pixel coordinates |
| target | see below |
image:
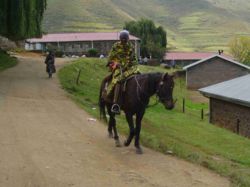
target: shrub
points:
(92, 52)
(59, 53)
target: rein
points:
(139, 89)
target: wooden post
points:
(210, 110)
(78, 77)
(238, 126)
(183, 105)
(202, 114)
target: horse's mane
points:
(151, 77)
(150, 74)
(145, 84)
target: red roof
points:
(187, 55)
(73, 37)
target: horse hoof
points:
(118, 143)
(110, 135)
(139, 151)
(126, 143)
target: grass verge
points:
(184, 134)
(6, 61)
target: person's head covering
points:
(124, 35)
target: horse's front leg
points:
(139, 117)
(112, 126)
(130, 121)
(111, 122)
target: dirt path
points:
(47, 141)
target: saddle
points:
(122, 89)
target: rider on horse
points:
(123, 63)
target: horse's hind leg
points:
(129, 118)
(139, 116)
(112, 126)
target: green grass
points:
(185, 134)
(6, 61)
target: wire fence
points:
(201, 111)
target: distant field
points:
(192, 25)
(184, 134)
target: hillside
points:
(191, 24)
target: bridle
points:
(157, 95)
(158, 90)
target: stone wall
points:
(213, 71)
(80, 48)
(103, 47)
(6, 44)
(228, 115)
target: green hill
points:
(191, 24)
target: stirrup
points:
(116, 109)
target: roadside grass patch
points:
(180, 134)
(6, 61)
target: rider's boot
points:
(115, 107)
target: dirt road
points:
(47, 141)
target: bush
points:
(153, 62)
(59, 53)
(92, 52)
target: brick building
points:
(230, 104)
(78, 43)
(185, 58)
(212, 70)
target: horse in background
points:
(138, 90)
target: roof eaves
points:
(47, 41)
(229, 99)
(55, 41)
(235, 62)
(198, 62)
(222, 57)
(105, 38)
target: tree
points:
(153, 39)
(240, 49)
(20, 19)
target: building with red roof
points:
(78, 43)
(186, 58)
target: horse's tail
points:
(102, 103)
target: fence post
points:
(78, 76)
(238, 126)
(183, 105)
(202, 114)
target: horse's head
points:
(165, 91)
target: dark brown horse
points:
(135, 99)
